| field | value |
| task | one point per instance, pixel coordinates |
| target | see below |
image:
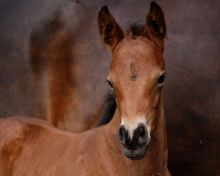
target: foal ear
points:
(156, 26)
(110, 31)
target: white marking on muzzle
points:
(131, 125)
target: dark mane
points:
(110, 107)
(136, 30)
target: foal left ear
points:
(156, 26)
(110, 31)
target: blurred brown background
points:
(28, 31)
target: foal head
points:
(136, 76)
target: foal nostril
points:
(142, 134)
(142, 131)
(122, 134)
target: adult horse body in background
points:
(137, 75)
(56, 74)
(192, 97)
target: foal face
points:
(137, 75)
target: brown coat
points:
(34, 148)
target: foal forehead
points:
(137, 52)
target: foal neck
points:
(154, 163)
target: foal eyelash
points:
(106, 82)
(109, 83)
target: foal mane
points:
(140, 30)
(136, 30)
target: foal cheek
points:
(154, 113)
(151, 120)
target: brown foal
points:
(134, 143)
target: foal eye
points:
(161, 80)
(110, 84)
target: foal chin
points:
(135, 136)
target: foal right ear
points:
(110, 31)
(156, 26)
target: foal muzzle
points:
(135, 146)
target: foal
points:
(134, 143)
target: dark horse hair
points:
(136, 29)
(109, 110)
